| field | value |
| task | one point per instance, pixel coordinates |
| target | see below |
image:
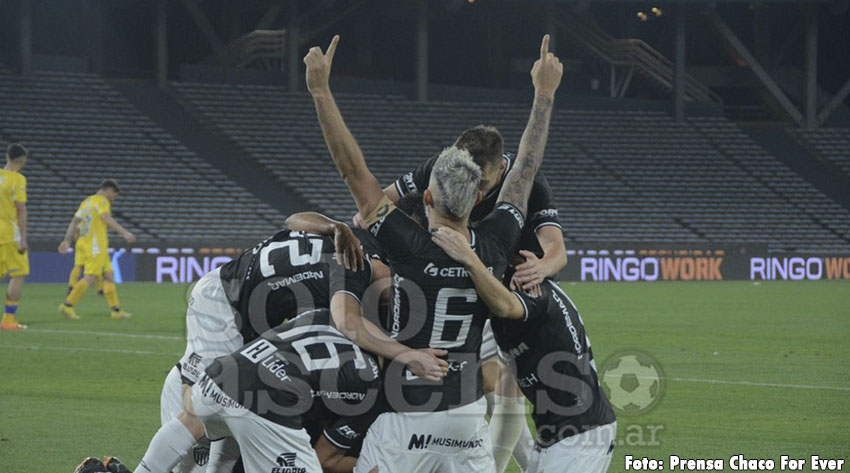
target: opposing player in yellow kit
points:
(14, 259)
(90, 222)
(77, 270)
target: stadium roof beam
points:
(422, 51)
(833, 104)
(25, 28)
(293, 42)
(735, 43)
(161, 37)
(269, 16)
(679, 66)
(811, 68)
(203, 24)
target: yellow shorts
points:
(95, 265)
(78, 255)
(13, 263)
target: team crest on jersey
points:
(201, 455)
(286, 464)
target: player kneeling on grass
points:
(260, 394)
(284, 275)
(541, 333)
(90, 223)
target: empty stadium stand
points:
(831, 145)
(619, 176)
(80, 131)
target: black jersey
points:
(287, 274)
(554, 365)
(304, 365)
(541, 206)
(433, 303)
(345, 432)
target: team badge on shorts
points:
(286, 464)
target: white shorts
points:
(266, 447)
(211, 329)
(451, 441)
(489, 347)
(171, 406)
(587, 452)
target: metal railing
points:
(265, 48)
(634, 55)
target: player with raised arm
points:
(436, 426)
(543, 336)
(286, 274)
(14, 259)
(542, 244)
(90, 223)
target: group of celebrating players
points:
(384, 347)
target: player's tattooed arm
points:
(70, 235)
(501, 302)
(546, 76)
(348, 318)
(349, 252)
(345, 152)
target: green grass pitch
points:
(730, 352)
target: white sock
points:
(505, 427)
(224, 454)
(522, 451)
(170, 443)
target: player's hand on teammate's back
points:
(454, 244)
(349, 252)
(547, 71)
(319, 67)
(426, 363)
(531, 273)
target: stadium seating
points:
(618, 176)
(831, 145)
(81, 131)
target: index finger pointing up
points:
(332, 48)
(544, 47)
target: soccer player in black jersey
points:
(436, 426)
(543, 336)
(541, 243)
(286, 274)
(261, 393)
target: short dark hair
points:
(16, 151)
(413, 205)
(484, 143)
(110, 184)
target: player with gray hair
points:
(436, 426)
(455, 177)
